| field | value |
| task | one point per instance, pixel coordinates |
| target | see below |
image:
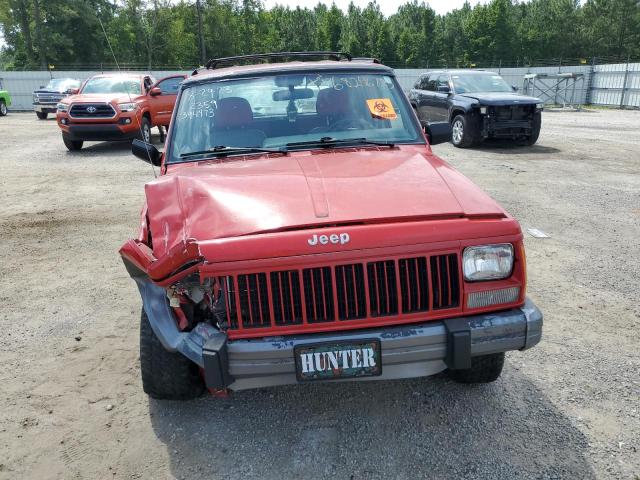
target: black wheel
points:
(72, 145)
(42, 115)
(463, 132)
(166, 375)
(3, 108)
(484, 369)
(145, 130)
(535, 131)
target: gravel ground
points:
(71, 401)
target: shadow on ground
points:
(112, 148)
(510, 147)
(422, 428)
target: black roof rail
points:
(214, 62)
(366, 59)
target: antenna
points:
(128, 93)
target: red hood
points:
(101, 97)
(210, 200)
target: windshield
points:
(113, 85)
(479, 82)
(62, 84)
(276, 111)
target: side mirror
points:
(73, 91)
(155, 91)
(41, 86)
(514, 88)
(145, 151)
(438, 133)
(444, 89)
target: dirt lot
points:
(71, 401)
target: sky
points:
(388, 7)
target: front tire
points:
(145, 130)
(463, 133)
(42, 115)
(72, 145)
(535, 129)
(484, 369)
(3, 108)
(166, 375)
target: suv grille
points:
(513, 112)
(92, 110)
(48, 98)
(342, 293)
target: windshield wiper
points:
(328, 142)
(222, 151)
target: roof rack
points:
(215, 62)
(366, 59)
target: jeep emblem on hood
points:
(334, 238)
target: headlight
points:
(35, 98)
(539, 106)
(487, 262)
(483, 110)
(62, 107)
(127, 107)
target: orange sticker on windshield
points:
(381, 108)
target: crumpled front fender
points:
(182, 259)
(163, 321)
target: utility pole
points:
(203, 52)
(39, 39)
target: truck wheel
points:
(3, 108)
(166, 375)
(484, 369)
(535, 131)
(42, 115)
(145, 130)
(462, 132)
(72, 145)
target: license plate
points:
(334, 360)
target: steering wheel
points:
(351, 123)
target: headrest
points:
(233, 112)
(331, 101)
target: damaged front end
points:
(186, 314)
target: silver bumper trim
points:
(407, 350)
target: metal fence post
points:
(624, 84)
(589, 85)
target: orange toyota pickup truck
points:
(116, 106)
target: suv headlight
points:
(487, 262)
(62, 107)
(539, 106)
(127, 107)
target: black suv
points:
(46, 98)
(477, 105)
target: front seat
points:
(233, 124)
(331, 105)
(340, 109)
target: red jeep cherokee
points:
(302, 230)
(117, 106)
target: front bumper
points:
(45, 108)
(100, 132)
(414, 350)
